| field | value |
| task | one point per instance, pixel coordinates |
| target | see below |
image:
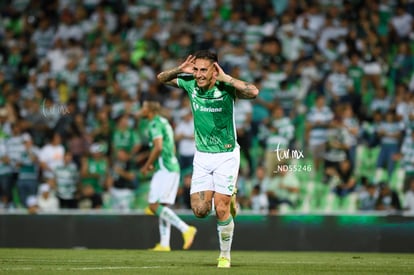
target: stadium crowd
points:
(333, 119)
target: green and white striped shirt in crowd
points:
(390, 129)
(282, 136)
(29, 166)
(5, 168)
(407, 150)
(318, 133)
(67, 177)
(15, 149)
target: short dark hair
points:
(205, 54)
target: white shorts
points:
(164, 187)
(215, 171)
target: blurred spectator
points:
(317, 123)
(367, 197)
(409, 198)
(350, 123)
(310, 77)
(336, 149)
(287, 97)
(406, 157)
(388, 199)
(28, 170)
(183, 193)
(78, 140)
(43, 37)
(369, 132)
(280, 134)
(94, 171)
(128, 79)
(121, 182)
(32, 205)
(402, 63)
(243, 116)
(282, 188)
(5, 124)
(390, 135)
(346, 182)
(337, 84)
(381, 102)
(264, 102)
(125, 137)
(184, 136)
(70, 74)
(259, 201)
(46, 199)
(57, 56)
(403, 106)
(258, 198)
(66, 182)
(292, 45)
(355, 72)
(51, 155)
(401, 24)
(6, 176)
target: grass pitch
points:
(92, 261)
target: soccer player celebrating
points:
(165, 180)
(212, 93)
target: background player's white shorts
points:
(164, 187)
(215, 171)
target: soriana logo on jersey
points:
(200, 108)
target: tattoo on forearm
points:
(246, 92)
(202, 195)
(168, 75)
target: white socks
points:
(225, 233)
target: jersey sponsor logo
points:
(198, 107)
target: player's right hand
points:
(188, 65)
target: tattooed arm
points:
(244, 90)
(169, 77)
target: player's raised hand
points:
(221, 75)
(188, 65)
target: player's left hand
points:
(220, 74)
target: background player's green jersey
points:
(160, 127)
(214, 123)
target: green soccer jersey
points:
(125, 139)
(214, 123)
(98, 168)
(160, 127)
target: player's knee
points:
(201, 210)
(222, 210)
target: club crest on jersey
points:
(217, 93)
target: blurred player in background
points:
(165, 180)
